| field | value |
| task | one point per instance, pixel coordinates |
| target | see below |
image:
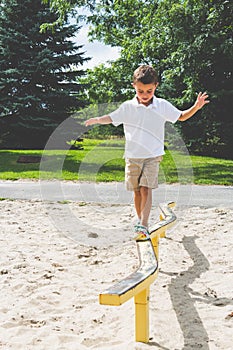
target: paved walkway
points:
(115, 193)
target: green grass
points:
(102, 161)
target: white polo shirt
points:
(144, 126)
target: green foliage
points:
(38, 74)
(190, 44)
(105, 84)
(188, 41)
(63, 8)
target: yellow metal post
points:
(155, 243)
(162, 234)
(141, 301)
(137, 284)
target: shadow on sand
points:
(183, 298)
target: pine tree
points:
(37, 74)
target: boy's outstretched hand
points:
(201, 100)
(199, 103)
(91, 121)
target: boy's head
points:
(145, 81)
(146, 75)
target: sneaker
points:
(136, 226)
(142, 233)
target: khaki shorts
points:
(142, 172)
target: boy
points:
(143, 119)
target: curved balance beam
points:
(127, 288)
(138, 283)
(167, 219)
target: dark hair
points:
(145, 74)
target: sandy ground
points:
(57, 257)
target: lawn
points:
(102, 161)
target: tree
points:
(201, 56)
(64, 7)
(38, 74)
(190, 44)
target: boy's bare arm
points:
(105, 119)
(200, 102)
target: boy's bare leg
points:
(137, 203)
(146, 204)
(143, 204)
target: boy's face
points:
(144, 92)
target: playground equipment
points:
(138, 283)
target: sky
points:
(98, 52)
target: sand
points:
(57, 257)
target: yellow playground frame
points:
(137, 284)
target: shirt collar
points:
(137, 104)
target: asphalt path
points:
(115, 193)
